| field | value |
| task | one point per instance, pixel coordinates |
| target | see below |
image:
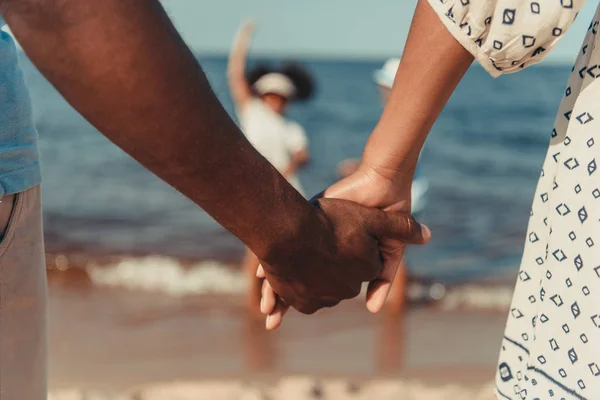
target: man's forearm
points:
(432, 64)
(122, 65)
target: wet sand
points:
(115, 339)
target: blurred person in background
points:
(261, 97)
(123, 66)
(550, 347)
(384, 79)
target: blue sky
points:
(323, 28)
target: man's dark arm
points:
(123, 66)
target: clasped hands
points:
(357, 233)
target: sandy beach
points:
(115, 342)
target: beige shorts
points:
(23, 298)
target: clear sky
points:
(324, 28)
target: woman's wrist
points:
(396, 163)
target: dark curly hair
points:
(297, 73)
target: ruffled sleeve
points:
(507, 35)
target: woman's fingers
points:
(380, 288)
(271, 304)
(268, 297)
(268, 300)
(275, 319)
(377, 294)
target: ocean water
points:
(482, 160)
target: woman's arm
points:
(236, 68)
(441, 45)
(443, 40)
(440, 48)
(432, 65)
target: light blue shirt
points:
(19, 157)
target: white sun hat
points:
(275, 83)
(385, 76)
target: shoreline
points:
(190, 277)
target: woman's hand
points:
(372, 187)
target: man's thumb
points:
(396, 225)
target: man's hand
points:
(332, 257)
(373, 187)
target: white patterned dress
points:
(551, 345)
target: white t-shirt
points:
(274, 136)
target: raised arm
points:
(236, 67)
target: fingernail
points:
(262, 305)
(377, 298)
(375, 307)
(268, 321)
(426, 232)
